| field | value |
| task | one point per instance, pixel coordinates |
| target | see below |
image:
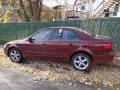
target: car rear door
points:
(62, 44)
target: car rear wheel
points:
(81, 62)
(15, 55)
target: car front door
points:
(38, 47)
(63, 42)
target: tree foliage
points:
(24, 10)
(117, 1)
(31, 9)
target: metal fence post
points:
(99, 33)
(16, 33)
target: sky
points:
(52, 3)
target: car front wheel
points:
(15, 55)
(81, 61)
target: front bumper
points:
(6, 47)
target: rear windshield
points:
(88, 33)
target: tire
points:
(81, 62)
(15, 55)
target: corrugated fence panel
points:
(103, 26)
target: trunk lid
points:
(103, 37)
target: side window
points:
(73, 36)
(70, 35)
(43, 35)
(64, 35)
(57, 34)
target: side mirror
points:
(30, 39)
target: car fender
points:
(85, 50)
(12, 46)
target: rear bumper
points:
(102, 59)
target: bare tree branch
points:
(31, 8)
(40, 9)
(24, 11)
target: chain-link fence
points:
(103, 26)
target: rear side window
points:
(72, 35)
(64, 35)
(55, 35)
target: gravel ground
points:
(100, 75)
(19, 80)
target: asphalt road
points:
(17, 80)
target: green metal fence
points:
(102, 26)
(12, 31)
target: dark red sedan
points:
(62, 44)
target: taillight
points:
(107, 46)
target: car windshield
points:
(38, 31)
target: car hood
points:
(17, 41)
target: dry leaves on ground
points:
(45, 70)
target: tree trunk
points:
(26, 16)
(31, 10)
(37, 6)
(40, 10)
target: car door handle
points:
(43, 44)
(71, 44)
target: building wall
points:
(87, 10)
(118, 14)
